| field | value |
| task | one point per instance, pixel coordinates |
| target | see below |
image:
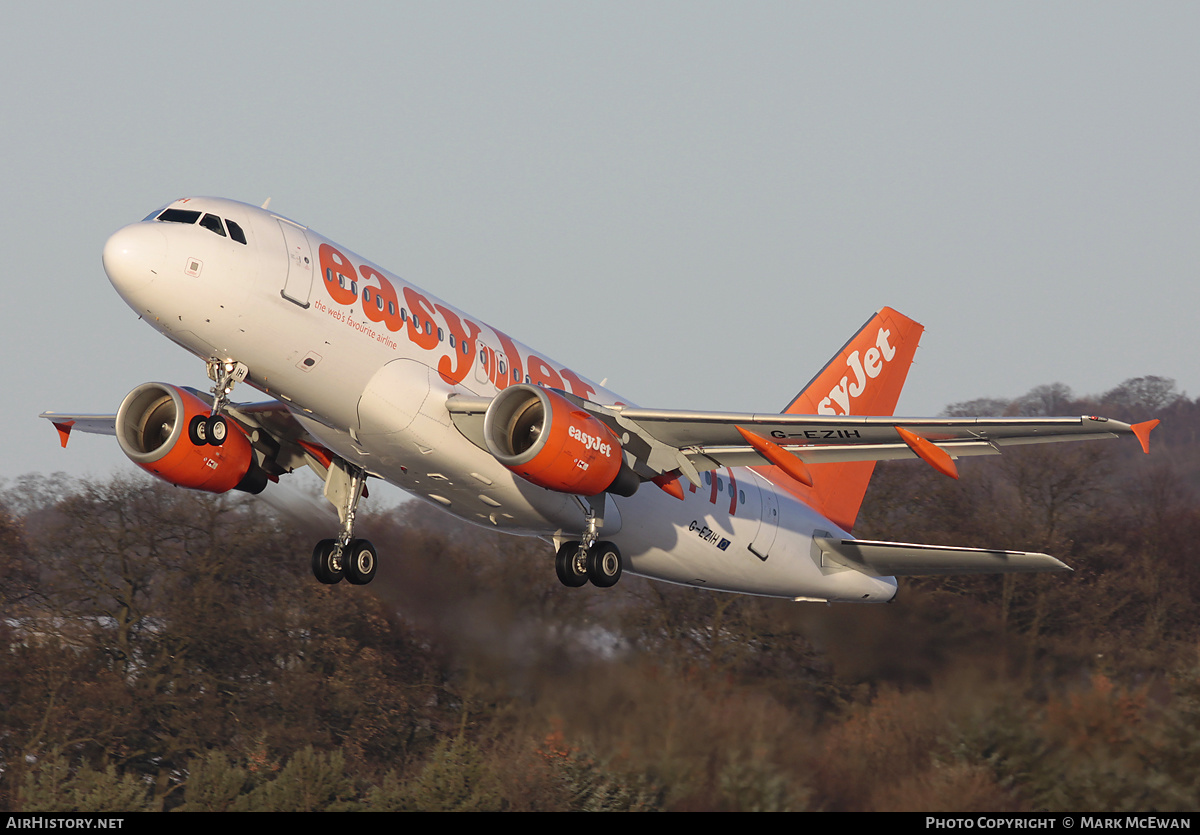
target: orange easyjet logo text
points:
(862, 369)
(432, 327)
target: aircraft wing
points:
(713, 440)
(92, 424)
(661, 441)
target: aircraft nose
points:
(134, 257)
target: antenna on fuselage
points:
(266, 202)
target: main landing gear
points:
(587, 560)
(576, 566)
(353, 559)
(356, 562)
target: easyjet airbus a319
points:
(372, 377)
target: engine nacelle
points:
(542, 437)
(152, 430)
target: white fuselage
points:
(366, 360)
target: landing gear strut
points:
(354, 559)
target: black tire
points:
(360, 562)
(569, 572)
(198, 431)
(325, 567)
(604, 565)
(218, 430)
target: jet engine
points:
(544, 438)
(152, 429)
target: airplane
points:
(373, 377)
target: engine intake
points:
(152, 430)
(542, 437)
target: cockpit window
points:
(213, 224)
(210, 222)
(235, 231)
(179, 216)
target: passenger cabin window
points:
(213, 224)
(179, 216)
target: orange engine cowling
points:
(152, 430)
(544, 438)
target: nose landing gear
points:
(211, 430)
(214, 429)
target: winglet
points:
(777, 455)
(64, 431)
(1142, 430)
(929, 452)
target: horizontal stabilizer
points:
(898, 559)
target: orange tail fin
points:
(865, 378)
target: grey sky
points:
(698, 201)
